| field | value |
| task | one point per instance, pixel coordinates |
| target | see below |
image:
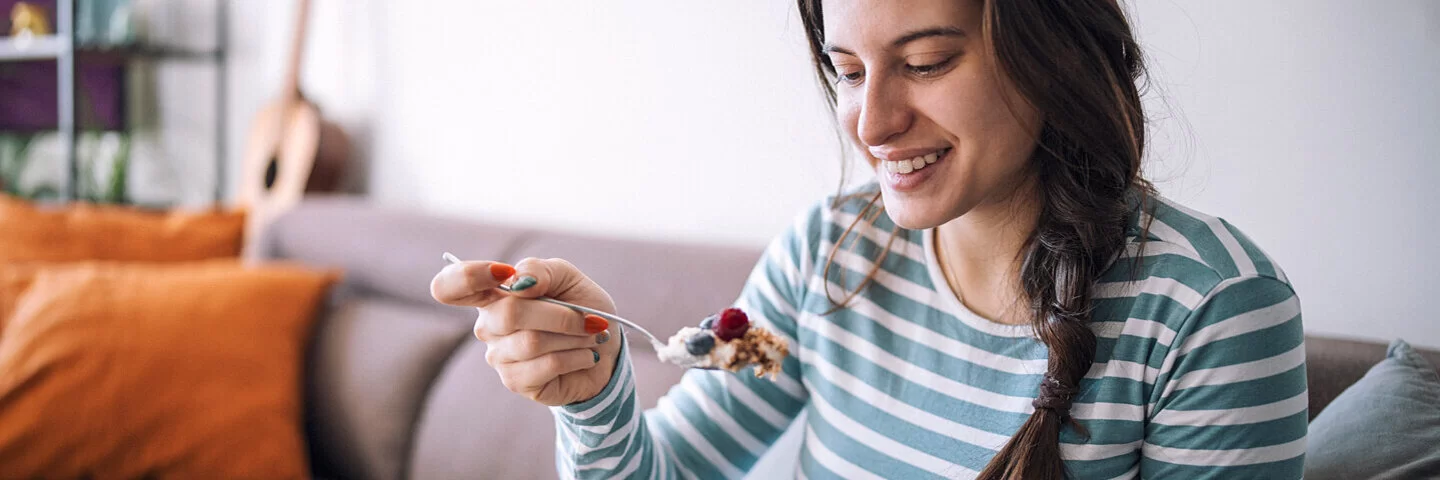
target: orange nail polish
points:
(595, 324)
(501, 271)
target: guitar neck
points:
(297, 50)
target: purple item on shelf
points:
(28, 90)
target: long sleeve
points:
(713, 424)
(1231, 398)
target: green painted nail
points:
(597, 355)
(602, 337)
(523, 283)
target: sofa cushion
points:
(472, 423)
(371, 366)
(1386, 425)
(84, 231)
(1333, 364)
(157, 371)
(471, 426)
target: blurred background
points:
(1314, 126)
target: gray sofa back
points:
(397, 387)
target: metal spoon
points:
(653, 339)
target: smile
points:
(910, 165)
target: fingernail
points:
(501, 271)
(597, 355)
(523, 283)
(602, 337)
(595, 324)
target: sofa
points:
(397, 386)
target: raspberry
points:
(732, 325)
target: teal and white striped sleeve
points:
(1231, 398)
(713, 424)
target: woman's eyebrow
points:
(926, 33)
(831, 48)
(904, 39)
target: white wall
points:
(1312, 125)
(646, 118)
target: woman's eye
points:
(851, 78)
(929, 69)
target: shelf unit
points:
(62, 48)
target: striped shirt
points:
(1199, 369)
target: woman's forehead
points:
(880, 24)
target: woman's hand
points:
(545, 352)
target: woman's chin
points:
(914, 217)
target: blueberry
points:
(709, 322)
(700, 344)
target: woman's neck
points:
(979, 253)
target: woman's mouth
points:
(908, 174)
(911, 165)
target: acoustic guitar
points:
(292, 149)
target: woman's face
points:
(920, 97)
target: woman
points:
(1009, 299)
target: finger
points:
(531, 344)
(551, 277)
(559, 279)
(529, 377)
(470, 283)
(509, 315)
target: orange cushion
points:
(84, 231)
(115, 370)
(14, 280)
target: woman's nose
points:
(884, 112)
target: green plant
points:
(114, 190)
(14, 158)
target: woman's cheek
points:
(847, 113)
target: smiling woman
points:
(982, 104)
(1010, 299)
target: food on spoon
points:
(732, 324)
(727, 341)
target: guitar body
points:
(291, 150)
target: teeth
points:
(906, 166)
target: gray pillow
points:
(1386, 425)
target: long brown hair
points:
(1077, 61)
